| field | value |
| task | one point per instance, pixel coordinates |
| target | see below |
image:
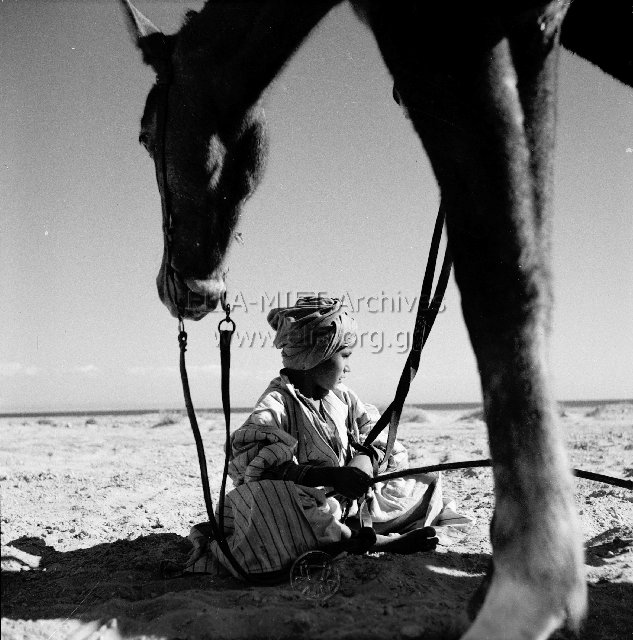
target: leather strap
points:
(217, 529)
(428, 308)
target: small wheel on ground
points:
(315, 576)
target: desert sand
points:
(91, 505)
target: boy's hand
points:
(351, 482)
(348, 481)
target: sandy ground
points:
(91, 505)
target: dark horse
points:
(478, 81)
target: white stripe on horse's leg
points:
(487, 124)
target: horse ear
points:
(137, 23)
(148, 38)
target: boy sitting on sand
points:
(298, 444)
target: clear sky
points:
(346, 207)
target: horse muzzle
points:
(187, 297)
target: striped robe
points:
(270, 517)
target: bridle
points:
(164, 79)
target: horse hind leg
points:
(481, 95)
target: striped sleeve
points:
(261, 444)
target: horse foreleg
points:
(480, 93)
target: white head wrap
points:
(311, 332)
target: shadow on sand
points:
(123, 569)
(123, 580)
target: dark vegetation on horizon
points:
(430, 406)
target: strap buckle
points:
(227, 318)
(182, 334)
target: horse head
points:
(208, 150)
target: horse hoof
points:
(508, 608)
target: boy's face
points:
(329, 374)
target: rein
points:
(428, 308)
(470, 464)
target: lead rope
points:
(217, 529)
(225, 366)
(202, 460)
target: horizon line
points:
(417, 405)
